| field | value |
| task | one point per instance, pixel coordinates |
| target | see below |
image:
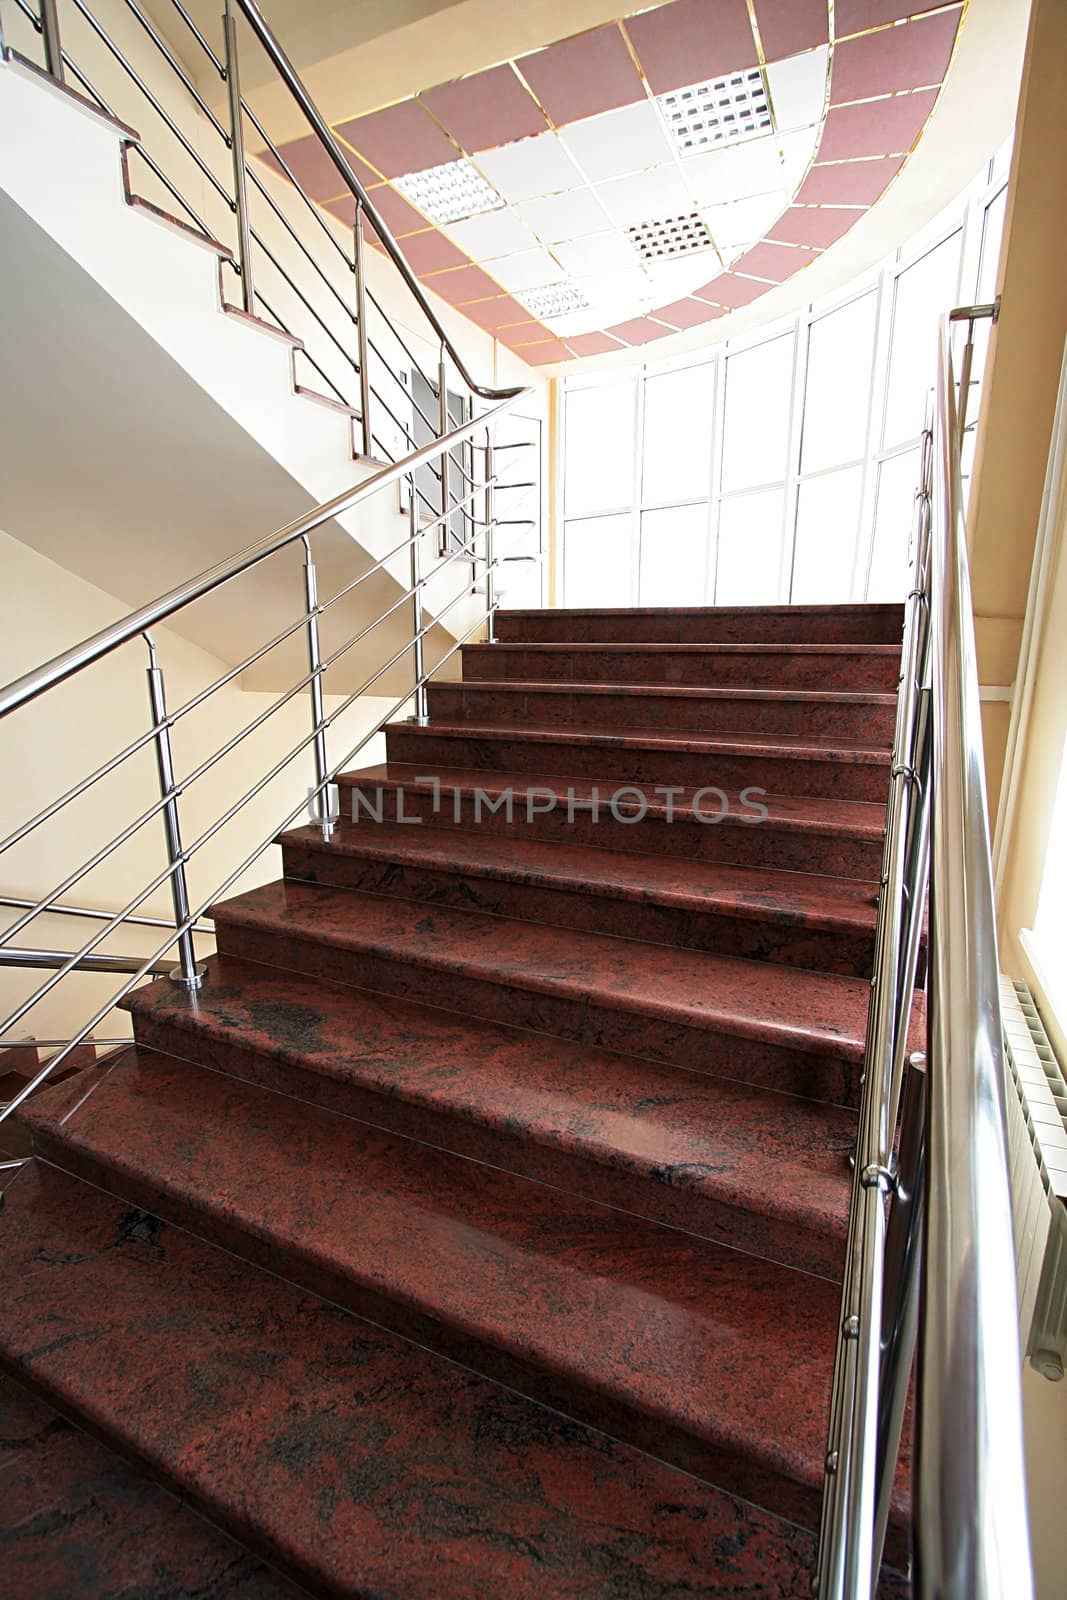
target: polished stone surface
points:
(797, 666)
(854, 624)
(369, 1466)
(678, 1147)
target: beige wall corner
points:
(1023, 370)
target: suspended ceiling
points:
(651, 174)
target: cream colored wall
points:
(48, 746)
(1022, 372)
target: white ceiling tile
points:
(618, 142)
(797, 152)
(565, 216)
(530, 168)
(603, 252)
(798, 88)
(615, 296)
(751, 168)
(498, 233)
(744, 221)
(673, 280)
(532, 267)
(645, 197)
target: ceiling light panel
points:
(708, 116)
(553, 300)
(449, 193)
(671, 237)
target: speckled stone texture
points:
(476, 1230)
(79, 1523)
(366, 1466)
(862, 624)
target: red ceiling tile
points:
(499, 315)
(313, 169)
(731, 292)
(877, 127)
(432, 252)
(489, 109)
(521, 333)
(465, 283)
(692, 40)
(774, 261)
(398, 215)
(852, 16)
(686, 313)
(582, 76)
(813, 225)
(894, 59)
(639, 330)
(544, 352)
(593, 344)
(851, 183)
(789, 26)
(402, 138)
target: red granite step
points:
(862, 624)
(803, 833)
(795, 713)
(364, 1464)
(76, 1520)
(798, 919)
(641, 1330)
(731, 761)
(856, 667)
(779, 1027)
(680, 1148)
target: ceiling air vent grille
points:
(552, 299)
(704, 116)
(674, 236)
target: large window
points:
(780, 466)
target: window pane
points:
(749, 562)
(677, 446)
(894, 515)
(828, 525)
(599, 442)
(923, 292)
(837, 391)
(755, 440)
(597, 562)
(674, 550)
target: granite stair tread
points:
(744, 892)
(369, 1466)
(866, 623)
(77, 1520)
(812, 814)
(619, 1321)
(681, 692)
(683, 740)
(681, 1147)
(781, 1005)
(864, 666)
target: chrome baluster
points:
(443, 426)
(187, 973)
(320, 804)
(53, 48)
(418, 654)
(490, 573)
(237, 151)
(359, 256)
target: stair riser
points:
(754, 669)
(499, 704)
(814, 1074)
(731, 771)
(656, 1192)
(735, 842)
(790, 625)
(711, 1459)
(760, 939)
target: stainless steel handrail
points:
(971, 1522)
(930, 1258)
(22, 690)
